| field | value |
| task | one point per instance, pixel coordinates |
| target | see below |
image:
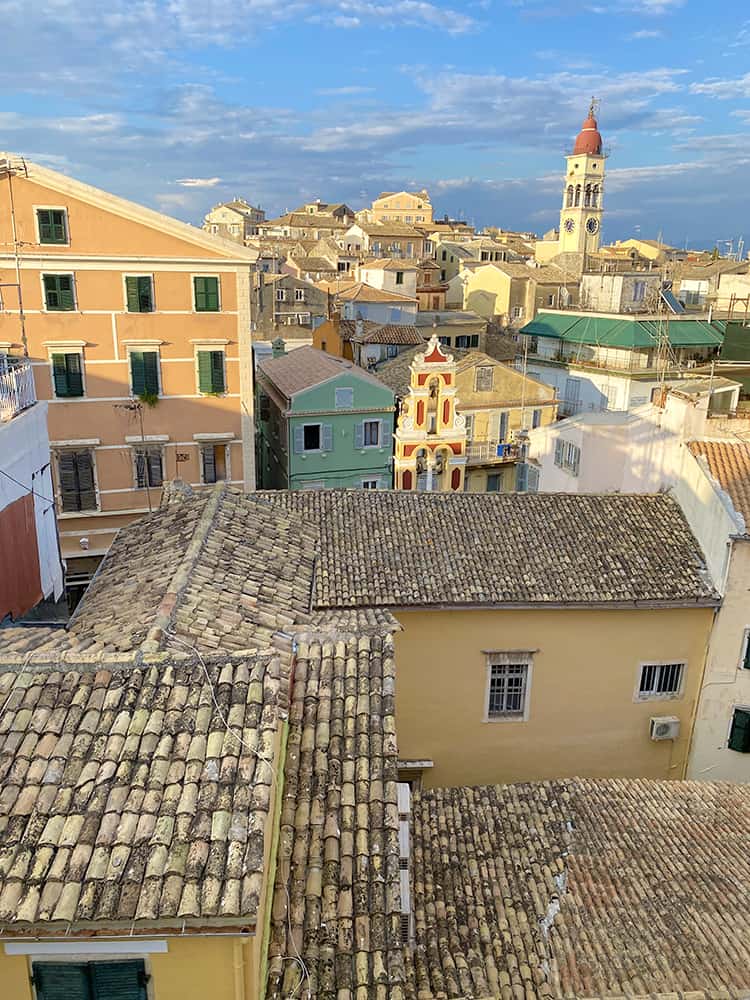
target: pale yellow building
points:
(410, 207)
(512, 293)
(235, 220)
(138, 329)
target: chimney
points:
(278, 347)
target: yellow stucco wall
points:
(193, 968)
(583, 717)
(104, 247)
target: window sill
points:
(505, 718)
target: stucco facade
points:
(585, 668)
(121, 302)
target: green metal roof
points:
(736, 343)
(605, 331)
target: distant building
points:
(30, 563)
(614, 361)
(288, 301)
(390, 274)
(357, 300)
(235, 220)
(621, 291)
(583, 200)
(411, 207)
(386, 239)
(323, 423)
(431, 289)
(512, 293)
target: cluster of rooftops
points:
(139, 756)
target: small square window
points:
(53, 225)
(369, 484)
(139, 293)
(344, 398)
(206, 294)
(148, 467)
(484, 378)
(58, 292)
(507, 686)
(299, 294)
(399, 277)
(739, 734)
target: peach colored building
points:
(411, 207)
(138, 328)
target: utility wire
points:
(29, 489)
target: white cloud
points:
(645, 33)
(723, 89)
(343, 91)
(199, 182)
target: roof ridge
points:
(164, 616)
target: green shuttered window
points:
(67, 374)
(53, 226)
(144, 372)
(76, 474)
(58, 292)
(148, 467)
(739, 734)
(140, 293)
(746, 650)
(90, 980)
(210, 371)
(206, 294)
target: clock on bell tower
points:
(583, 191)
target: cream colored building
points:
(235, 220)
(139, 332)
(582, 200)
(513, 293)
(410, 207)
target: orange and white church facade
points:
(430, 438)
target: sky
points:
(182, 104)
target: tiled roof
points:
(126, 795)
(360, 292)
(581, 888)
(314, 264)
(305, 367)
(400, 549)
(389, 264)
(348, 327)
(390, 333)
(390, 228)
(337, 901)
(729, 464)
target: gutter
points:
(272, 862)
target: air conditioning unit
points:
(665, 727)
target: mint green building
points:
(322, 423)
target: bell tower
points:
(430, 438)
(583, 191)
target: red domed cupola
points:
(589, 140)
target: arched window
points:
(587, 197)
(595, 196)
(578, 194)
(569, 202)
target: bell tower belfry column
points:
(583, 191)
(430, 438)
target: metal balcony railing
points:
(17, 390)
(490, 451)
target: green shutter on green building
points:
(211, 371)
(144, 372)
(206, 294)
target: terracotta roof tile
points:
(581, 888)
(399, 549)
(305, 367)
(729, 464)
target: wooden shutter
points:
(66, 470)
(359, 435)
(65, 289)
(739, 735)
(118, 980)
(151, 371)
(155, 473)
(131, 293)
(209, 464)
(503, 429)
(217, 370)
(51, 292)
(145, 294)
(61, 981)
(137, 372)
(60, 374)
(559, 452)
(327, 437)
(86, 487)
(44, 217)
(140, 469)
(206, 294)
(74, 374)
(299, 440)
(205, 383)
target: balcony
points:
(485, 452)
(17, 390)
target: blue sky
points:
(183, 104)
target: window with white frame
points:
(639, 291)
(660, 680)
(299, 294)
(567, 456)
(280, 295)
(371, 433)
(148, 463)
(517, 312)
(369, 484)
(508, 677)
